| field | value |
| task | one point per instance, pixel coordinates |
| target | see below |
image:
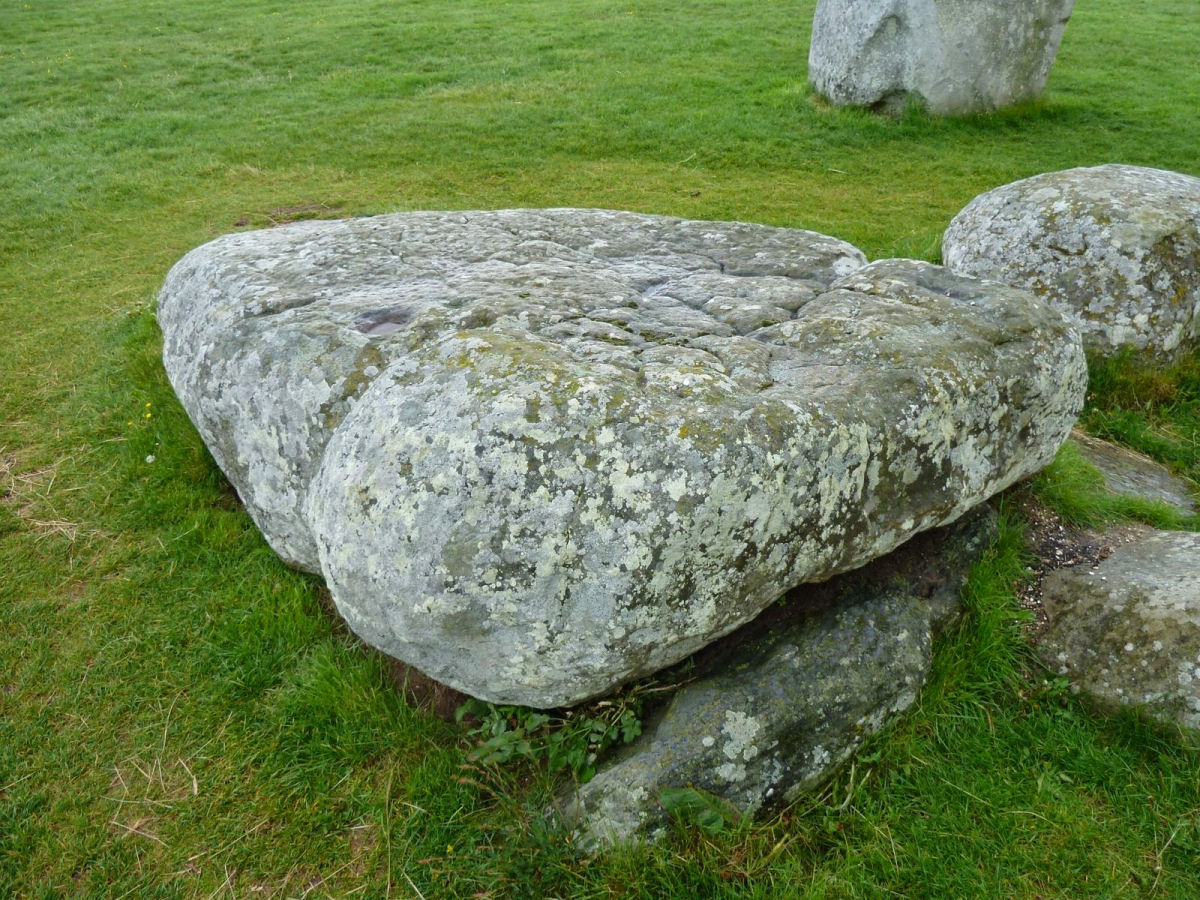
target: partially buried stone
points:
(539, 453)
(1115, 247)
(953, 56)
(780, 710)
(1126, 632)
(1134, 475)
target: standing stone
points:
(1115, 247)
(955, 56)
(1126, 632)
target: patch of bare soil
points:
(423, 692)
(1054, 545)
(281, 215)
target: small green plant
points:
(692, 807)
(572, 741)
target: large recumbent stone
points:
(537, 453)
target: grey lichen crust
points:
(954, 56)
(1115, 247)
(542, 452)
(270, 336)
(1127, 632)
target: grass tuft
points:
(1076, 490)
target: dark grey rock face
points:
(539, 453)
(1116, 248)
(1127, 631)
(788, 705)
(955, 56)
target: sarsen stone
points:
(1115, 247)
(955, 56)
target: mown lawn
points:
(180, 717)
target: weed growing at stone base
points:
(568, 742)
(179, 717)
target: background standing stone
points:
(955, 56)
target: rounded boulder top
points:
(1115, 247)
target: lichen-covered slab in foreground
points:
(540, 453)
(270, 336)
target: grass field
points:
(180, 717)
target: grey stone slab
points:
(537, 453)
(1127, 631)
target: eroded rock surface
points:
(783, 709)
(539, 453)
(1115, 247)
(1127, 630)
(955, 56)
(270, 336)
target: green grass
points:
(1076, 490)
(1154, 409)
(179, 717)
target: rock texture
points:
(538, 453)
(955, 56)
(786, 706)
(1132, 474)
(271, 336)
(1116, 247)
(1127, 631)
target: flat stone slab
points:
(1134, 475)
(1126, 631)
(1115, 247)
(271, 336)
(537, 453)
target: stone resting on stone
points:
(538, 453)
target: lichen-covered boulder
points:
(270, 336)
(542, 452)
(955, 56)
(795, 694)
(1115, 247)
(1126, 631)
